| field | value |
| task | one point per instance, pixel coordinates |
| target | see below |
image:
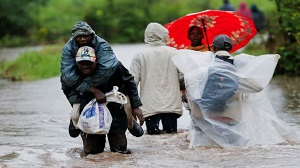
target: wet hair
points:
(192, 27)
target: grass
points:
(33, 65)
(3, 66)
(255, 49)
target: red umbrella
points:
(213, 22)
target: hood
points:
(156, 34)
(243, 5)
(254, 7)
(82, 28)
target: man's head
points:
(195, 35)
(82, 33)
(222, 42)
(254, 8)
(86, 60)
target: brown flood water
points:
(34, 118)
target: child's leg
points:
(75, 114)
(74, 117)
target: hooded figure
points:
(258, 18)
(243, 10)
(106, 59)
(227, 6)
(158, 78)
(80, 88)
(82, 28)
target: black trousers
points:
(168, 120)
(94, 143)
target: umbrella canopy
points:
(213, 22)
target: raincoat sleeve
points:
(135, 69)
(130, 87)
(107, 63)
(72, 95)
(68, 70)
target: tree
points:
(288, 37)
(11, 22)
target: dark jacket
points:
(258, 18)
(106, 65)
(227, 7)
(121, 78)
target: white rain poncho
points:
(247, 118)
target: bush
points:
(288, 37)
(13, 41)
(34, 65)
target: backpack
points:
(222, 83)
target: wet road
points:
(34, 118)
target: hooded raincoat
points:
(106, 65)
(157, 75)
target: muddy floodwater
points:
(34, 118)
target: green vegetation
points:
(33, 65)
(15, 21)
(287, 37)
(35, 22)
(255, 49)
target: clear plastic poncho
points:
(247, 118)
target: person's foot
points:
(136, 130)
(156, 132)
(128, 151)
(73, 132)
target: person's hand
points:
(184, 97)
(137, 113)
(100, 96)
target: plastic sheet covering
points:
(248, 117)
